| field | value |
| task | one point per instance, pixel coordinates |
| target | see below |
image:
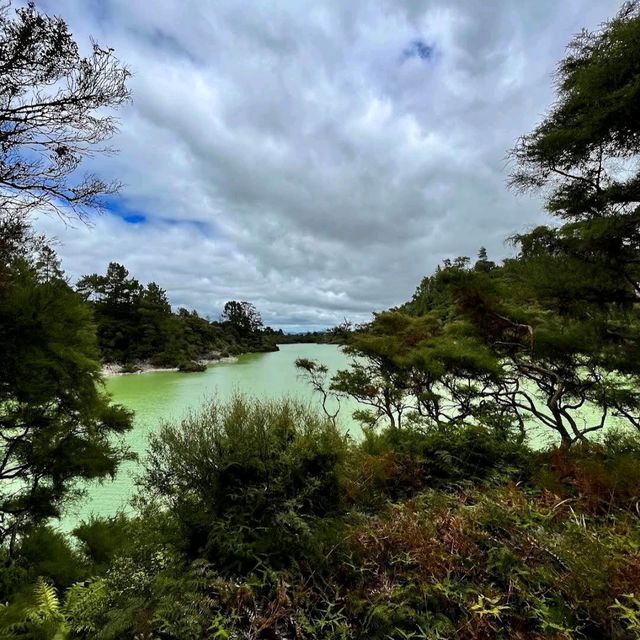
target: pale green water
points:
(166, 396)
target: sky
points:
(315, 158)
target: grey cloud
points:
(327, 171)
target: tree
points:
(583, 157)
(115, 289)
(316, 374)
(52, 117)
(429, 367)
(243, 317)
(476, 346)
(155, 320)
(116, 298)
(56, 423)
(556, 369)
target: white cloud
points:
(291, 154)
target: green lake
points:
(165, 396)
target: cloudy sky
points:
(315, 158)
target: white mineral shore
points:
(115, 369)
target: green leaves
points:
(246, 478)
(57, 424)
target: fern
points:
(84, 604)
(47, 603)
(43, 620)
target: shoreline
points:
(112, 369)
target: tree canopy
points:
(52, 114)
(135, 323)
(56, 423)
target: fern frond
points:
(47, 603)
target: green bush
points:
(247, 479)
(101, 539)
(129, 367)
(191, 366)
(47, 552)
(43, 551)
(396, 463)
(165, 359)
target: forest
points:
(135, 323)
(263, 519)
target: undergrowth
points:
(260, 520)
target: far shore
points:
(110, 369)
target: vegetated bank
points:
(138, 331)
(335, 335)
(259, 519)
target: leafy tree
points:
(243, 317)
(116, 297)
(155, 319)
(17, 243)
(422, 367)
(135, 322)
(583, 157)
(476, 346)
(555, 369)
(435, 369)
(243, 321)
(579, 149)
(52, 117)
(56, 424)
(341, 332)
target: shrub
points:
(398, 462)
(601, 476)
(47, 552)
(130, 367)
(247, 478)
(167, 359)
(101, 539)
(192, 367)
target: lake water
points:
(166, 396)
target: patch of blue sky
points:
(135, 218)
(116, 207)
(418, 49)
(131, 215)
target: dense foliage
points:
(334, 335)
(260, 520)
(135, 322)
(56, 423)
